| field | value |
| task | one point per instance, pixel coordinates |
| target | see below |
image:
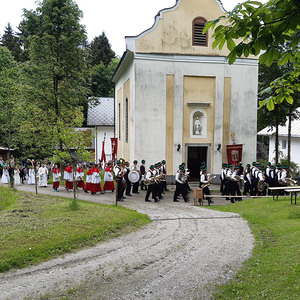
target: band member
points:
(158, 184)
(128, 182)
(180, 185)
(109, 178)
(56, 177)
(261, 177)
(68, 176)
(150, 177)
(222, 178)
(135, 186)
(143, 173)
(79, 177)
(247, 177)
(235, 187)
(96, 180)
(254, 178)
(187, 174)
(164, 173)
(88, 186)
(204, 183)
(119, 173)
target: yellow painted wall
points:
(173, 33)
(226, 116)
(198, 89)
(126, 94)
(170, 93)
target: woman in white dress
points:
(17, 180)
(31, 175)
(43, 176)
(5, 176)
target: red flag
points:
(103, 157)
(234, 154)
(114, 147)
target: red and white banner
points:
(114, 147)
(103, 156)
(234, 154)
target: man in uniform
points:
(150, 178)
(204, 182)
(128, 182)
(135, 186)
(180, 185)
(119, 173)
(143, 173)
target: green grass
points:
(35, 228)
(273, 271)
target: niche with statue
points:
(198, 124)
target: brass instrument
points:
(239, 178)
(152, 180)
(208, 183)
(288, 181)
(184, 176)
(261, 185)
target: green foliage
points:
(10, 99)
(12, 42)
(270, 31)
(37, 228)
(273, 269)
(102, 86)
(100, 51)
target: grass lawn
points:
(35, 228)
(273, 272)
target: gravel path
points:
(182, 254)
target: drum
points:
(134, 176)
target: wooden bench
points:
(293, 192)
(277, 189)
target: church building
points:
(178, 99)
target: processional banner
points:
(234, 154)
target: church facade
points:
(178, 99)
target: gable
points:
(173, 30)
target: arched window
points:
(199, 39)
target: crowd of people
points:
(253, 179)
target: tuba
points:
(261, 185)
(152, 180)
(207, 184)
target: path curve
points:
(182, 254)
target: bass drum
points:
(134, 176)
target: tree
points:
(100, 51)
(56, 73)
(10, 99)
(102, 85)
(264, 30)
(12, 42)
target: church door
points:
(196, 155)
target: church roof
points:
(101, 114)
(282, 130)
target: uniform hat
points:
(118, 162)
(236, 167)
(269, 164)
(272, 167)
(156, 165)
(135, 161)
(142, 161)
(163, 161)
(285, 167)
(151, 167)
(248, 165)
(127, 163)
(254, 163)
(204, 169)
(181, 167)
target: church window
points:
(119, 113)
(126, 120)
(199, 39)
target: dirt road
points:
(182, 254)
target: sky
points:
(117, 18)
